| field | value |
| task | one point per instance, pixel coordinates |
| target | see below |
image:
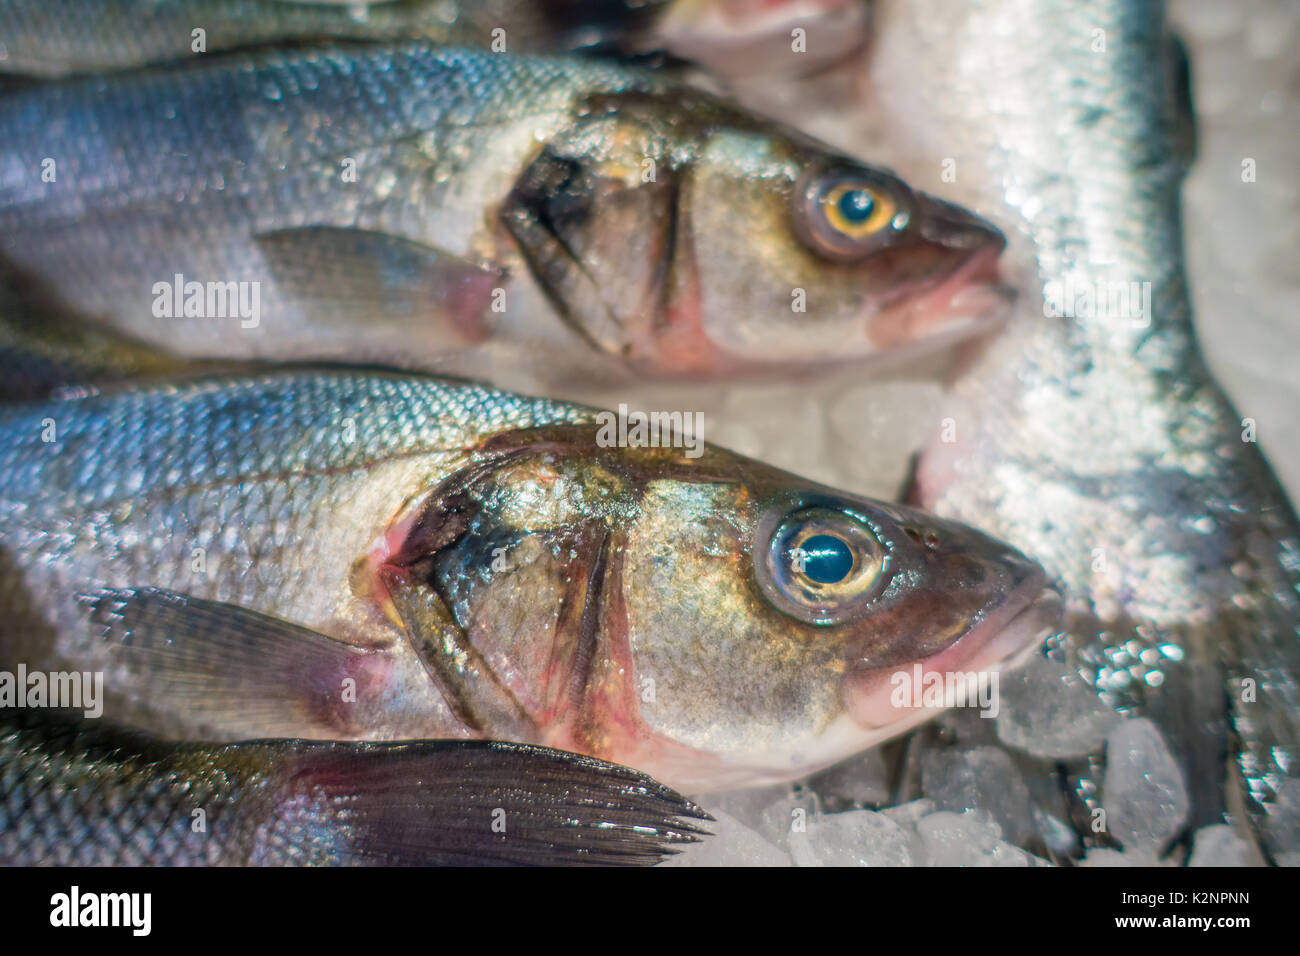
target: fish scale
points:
(142, 486)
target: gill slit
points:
(589, 623)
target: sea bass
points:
(369, 203)
(82, 793)
(59, 37)
(362, 555)
(1092, 434)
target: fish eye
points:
(819, 564)
(847, 214)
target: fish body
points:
(81, 36)
(62, 37)
(83, 793)
(1092, 434)
(359, 555)
(370, 202)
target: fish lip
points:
(971, 300)
(1000, 640)
(1005, 637)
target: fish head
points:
(709, 619)
(687, 238)
(774, 620)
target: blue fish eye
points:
(857, 205)
(825, 559)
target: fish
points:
(361, 554)
(372, 203)
(84, 793)
(65, 37)
(1091, 434)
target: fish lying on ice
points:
(346, 554)
(370, 202)
(60, 37)
(50, 38)
(1091, 434)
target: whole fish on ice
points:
(369, 202)
(363, 555)
(1092, 434)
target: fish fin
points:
(227, 672)
(46, 349)
(344, 276)
(486, 803)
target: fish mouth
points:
(1001, 640)
(970, 301)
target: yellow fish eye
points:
(847, 213)
(857, 210)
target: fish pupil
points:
(826, 559)
(856, 205)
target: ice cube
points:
(1282, 826)
(980, 778)
(1143, 793)
(732, 844)
(908, 815)
(1219, 846)
(1108, 857)
(787, 815)
(1047, 711)
(971, 838)
(1056, 833)
(856, 838)
(748, 806)
(861, 781)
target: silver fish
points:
(1092, 434)
(342, 554)
(369, 202)
(61, 37)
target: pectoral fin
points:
(355, 276)
(219, 670)
(486, 803)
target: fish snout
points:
(972, 606)
(961, 292)
(955, 227)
